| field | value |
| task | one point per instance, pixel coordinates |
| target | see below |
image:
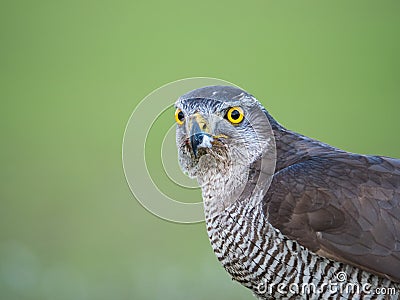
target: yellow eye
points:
(235, 115)
(179, 116)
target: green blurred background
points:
(71, 73)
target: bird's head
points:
(220, 131)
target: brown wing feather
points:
(343, 206)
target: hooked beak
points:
(200, 136)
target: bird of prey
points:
(325, 225)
